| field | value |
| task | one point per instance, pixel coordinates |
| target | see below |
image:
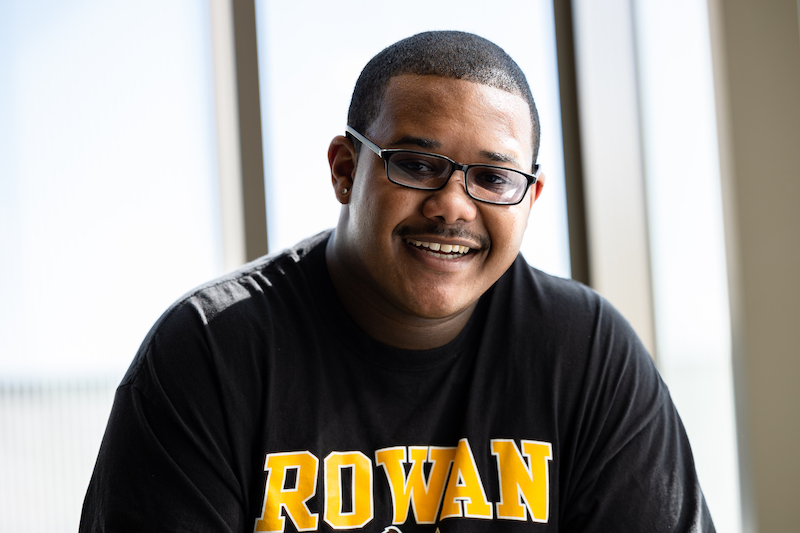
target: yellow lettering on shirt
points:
(361, 496)
(465, 487)
(291, 499)
(524, 487)
(413, 490)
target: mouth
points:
(440, 250)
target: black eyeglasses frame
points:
(385, 154)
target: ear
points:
(342, 160)
(537, 188)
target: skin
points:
(399, 293)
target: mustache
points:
(445, 232)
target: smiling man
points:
(392, 259)
(407, 371)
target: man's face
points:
(389, 234)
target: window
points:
(109, 209)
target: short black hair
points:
(448, 54)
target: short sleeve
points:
(632, 467)
(175, 455)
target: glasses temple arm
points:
(371, 145)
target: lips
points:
(411, 234)
(440, 250)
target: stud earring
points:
(345, 190)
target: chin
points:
(433, 308)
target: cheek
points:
(371, 216)
(386, 205)
(508, 226)
(362, 201)
(506, 232)
(520, 224)
(376, 209)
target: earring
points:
(345, 190)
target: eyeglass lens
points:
(492, 184)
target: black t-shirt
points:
(255, 403)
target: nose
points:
(451, 204)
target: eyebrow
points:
(416, 141)
(431, 144)
(499, 158)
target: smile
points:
(441, 251)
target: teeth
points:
(437, 247)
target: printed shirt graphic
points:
(452, 487)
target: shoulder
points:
(236, 312)
(596, 370)
(565, 307)
(265, 276)
(588, 351)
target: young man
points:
(407, 371)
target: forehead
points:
(444, 107)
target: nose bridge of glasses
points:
(452, 200)
(458, 175)
(462, 168)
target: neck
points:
(383, 321)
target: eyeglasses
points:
(431, 172)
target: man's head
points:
(398, 259)
(446, 54)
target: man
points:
(408, 371)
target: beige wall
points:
(756, 49)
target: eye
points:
(418, 169)
(492, 179)
(415, 166)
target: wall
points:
(756, 49)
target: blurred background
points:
(147, 147)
